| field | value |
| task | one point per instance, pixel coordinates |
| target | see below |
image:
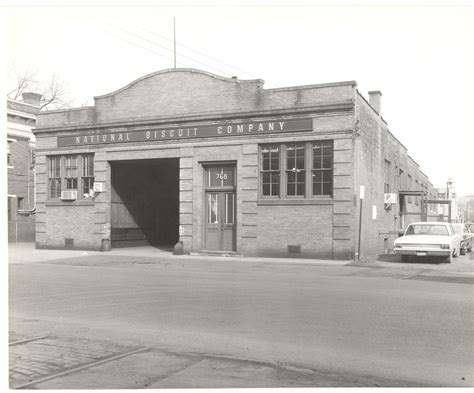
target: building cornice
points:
(315, 86)
(341, 106)
(15, 112)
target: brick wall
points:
(20, 177)
(325, 94)
(163, 94)
(373, 146)
(306, 226)
(21, 184)
(371, 151)
(343, 197)
(66, 118)
(62, 223)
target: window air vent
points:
(294, 249)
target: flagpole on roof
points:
(174, 31)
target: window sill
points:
(70, 203)
(290, 202)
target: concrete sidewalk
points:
(27, 253)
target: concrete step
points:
(205, 253)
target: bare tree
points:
(53, 91)
(24, 81)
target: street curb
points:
(27, 255)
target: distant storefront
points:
(222, 165)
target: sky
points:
(418, 56)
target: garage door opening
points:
(145, 203)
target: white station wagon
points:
(436, 239)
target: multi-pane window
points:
(270, 172)
(55, 177)
(322, 168)
(70, 172)
(296, 170)
(87, 173)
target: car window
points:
(457, 228)
(437, 230)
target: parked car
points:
(470, 226)
(435, 239)
(466, 237)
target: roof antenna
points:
(174, 29)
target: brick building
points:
(21, 118)
(225, 165)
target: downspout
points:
(29, 212)
(33, 99)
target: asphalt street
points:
(380, 327)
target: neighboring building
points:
(449, 212)
(466, 208)
(21, 118)
(225, 165)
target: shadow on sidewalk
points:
(396, 259)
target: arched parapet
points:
(178, 91)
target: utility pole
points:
(361, 198)
(174, 33)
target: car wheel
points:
(449, 259)
(462, 250)
(405, 258)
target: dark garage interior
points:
(145, 203)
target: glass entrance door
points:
(220, 221)
(220, 208)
